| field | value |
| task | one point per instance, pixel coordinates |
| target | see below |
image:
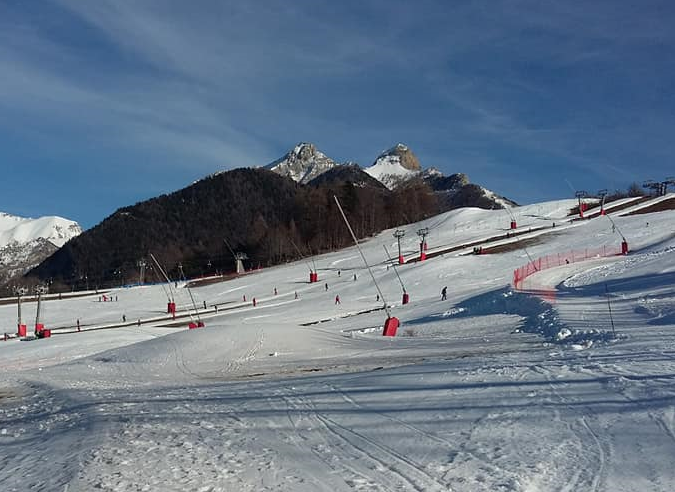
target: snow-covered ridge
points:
(394, 166)
(496, 198)
(19, 230)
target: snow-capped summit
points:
(302, 164)
(56, 230)
(394, 166)
(25, 242)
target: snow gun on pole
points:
(187, 286)
(313, 275)
(316, 272)
(624, 243)
(514, 224)
(171, 302)
(406, 297)
(391, 324)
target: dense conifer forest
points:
(270, 218)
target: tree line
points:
(270, 218)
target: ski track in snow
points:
(476, 393)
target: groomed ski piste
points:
(564, 384)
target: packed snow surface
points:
(493, 389)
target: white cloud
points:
(229, 83)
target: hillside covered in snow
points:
(25, 242)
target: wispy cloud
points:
(499, 85)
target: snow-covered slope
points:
(25, 242)
(299, 393)
(302, 164)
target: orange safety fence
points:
(559, 259)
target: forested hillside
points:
(255, 211)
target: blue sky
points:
(107, 103)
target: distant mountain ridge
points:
(26, 242)
(302, 164)
(395, 167)
(351, 173)
(262, 212)
(251, 210)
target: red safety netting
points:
(560, 259)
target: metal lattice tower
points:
(39, 290)
(142, 264)
(652, 185)
(398, 234)
(423, 233)
(19, 292)
(239, 261)
(579, 195)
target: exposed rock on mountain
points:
(302, 164)
(394, 166)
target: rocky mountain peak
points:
(402, 155)
(305, 151)
(303, 163)
(395, 166)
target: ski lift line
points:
(393, 264)
(351, 231)
(170, 293)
